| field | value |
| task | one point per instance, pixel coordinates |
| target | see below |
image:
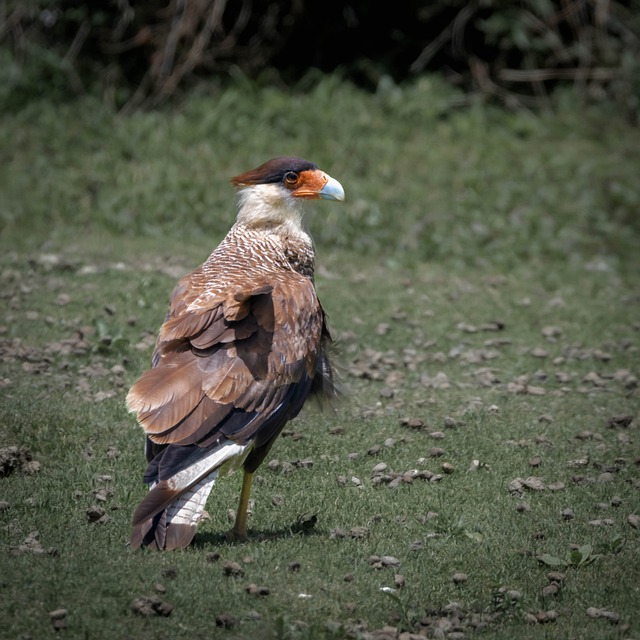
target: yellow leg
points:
(239, 531)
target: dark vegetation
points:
(144, 53)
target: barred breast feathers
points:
(261, 250)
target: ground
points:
(479, 476)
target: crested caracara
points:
(244, 344)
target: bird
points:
(244, 344)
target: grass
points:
(467, 234)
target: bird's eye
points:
(291, 177)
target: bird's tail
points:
(168, 516)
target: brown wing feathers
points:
(222, 365)
(241, 374)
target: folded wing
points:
(230, 365)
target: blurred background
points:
(476, 133)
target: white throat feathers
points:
(268, 206)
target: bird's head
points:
(275, 192)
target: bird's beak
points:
(332, 190)
(317, 184)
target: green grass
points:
(456, 218)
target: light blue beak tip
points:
(332, 190)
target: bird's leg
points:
(239, 531)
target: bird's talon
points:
(236, 536)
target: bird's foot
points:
(236, 536)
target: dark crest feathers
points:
(272, 171)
